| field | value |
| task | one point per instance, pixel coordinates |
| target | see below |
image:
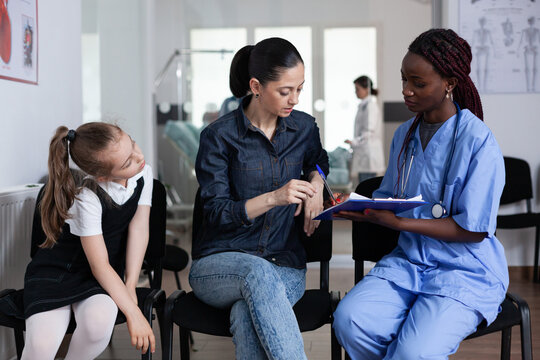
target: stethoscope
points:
(437, 210)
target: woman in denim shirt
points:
(247, 255)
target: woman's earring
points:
(447, 94)
(256, 96)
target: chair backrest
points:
(370, 241)
(318, 246)
(156, 243)
(197, 215)
(518, 184)
(155, 250)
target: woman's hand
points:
(313, 206)
(294, 192)
(381, 217)
(142, 336)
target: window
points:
(348, 54)
(208, 79)
(91, 84)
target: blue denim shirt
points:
(237, 162)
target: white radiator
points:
(16, 215)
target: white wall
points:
(29, 114)
(514, 120)
(126, 39)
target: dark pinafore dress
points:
(61, 275)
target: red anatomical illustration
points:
(5, 32)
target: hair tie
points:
(70, 135)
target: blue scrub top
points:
(475, 274)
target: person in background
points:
(94, 236)
(367, 144)
(248, 255)
(448, 272)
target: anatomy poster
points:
(505, 41)
(19, 40)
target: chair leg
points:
(536, 249)
(526, 341)
(184, 344)
(177, 280)
(19, 342)
(191, 341)
(506, 343)
(335, 347)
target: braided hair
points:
(450, 56)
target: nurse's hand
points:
(339, 199)
(381, 217)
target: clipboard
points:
(357, 202)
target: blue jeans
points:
(261, 295)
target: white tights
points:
(45, 331)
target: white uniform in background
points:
(367, 144)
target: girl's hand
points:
(381, 217)
(142, 336)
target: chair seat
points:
(191, 313)
(11, 309)
(313, 310)
(508, 317)
(518, 221)
(175, 259)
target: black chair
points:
(148, 297)
(312, 311)
(518, 187)
(371, 242)
(176, 259)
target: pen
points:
(325, 183)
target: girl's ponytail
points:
(60, 190)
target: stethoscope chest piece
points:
(438, 211)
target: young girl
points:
(95, 236)
(449, 271)
(248, 255)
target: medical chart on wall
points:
(505, 41)
(18, 40)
